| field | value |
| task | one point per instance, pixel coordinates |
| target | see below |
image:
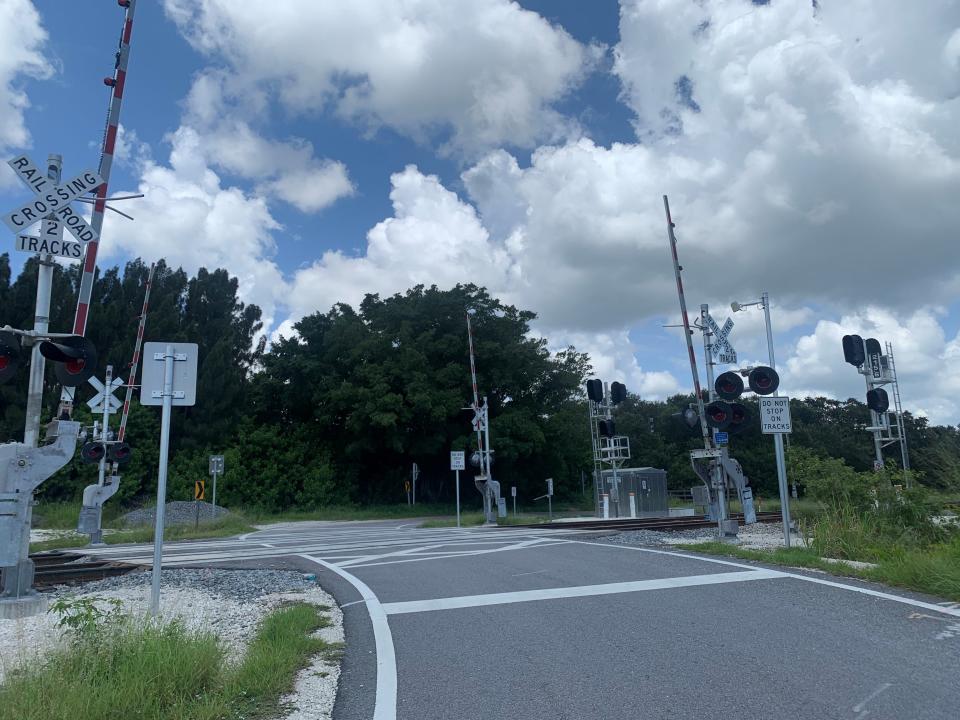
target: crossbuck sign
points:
(105, 396)
(721, 348)
(51, 205)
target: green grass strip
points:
(934, 570)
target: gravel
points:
(760, 536)
(228, 603)
(178, 512)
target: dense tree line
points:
(339, 412)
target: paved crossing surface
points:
(528, 623)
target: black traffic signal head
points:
(719, 414)
(119, 453)
(595, 390)
(9, 356)
(607, 428)
(763, 380)
(92, 452)
(853, 350)
(873, 346)
(729, 386)
(75, 358)
(739, 415)
(877, 400)
(618, 392)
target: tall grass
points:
(140, 669)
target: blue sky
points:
(324, 151)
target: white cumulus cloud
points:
(480, 74)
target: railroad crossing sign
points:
(105, 396)
(199, 489)
(721, 348)
(51, 205)
(479, 421)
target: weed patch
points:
(141, 669)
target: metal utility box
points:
(648, 484)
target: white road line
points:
(829, 583)
(468, 601)
(385, 707)
(465, 553)
(408, 551)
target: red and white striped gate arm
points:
(106, 162)
(132, 377)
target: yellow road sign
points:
(198, 489)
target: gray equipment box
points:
(647, 483)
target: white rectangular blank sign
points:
(458, 460)
(184, 373)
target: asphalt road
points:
(519, 623)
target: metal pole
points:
(515, 497)
(213, 510)
(719, 482)
(162, 479)
(486, 438)
(550, 508)
(458, 497)
(476, 395)
(778, 437)
(41, 324)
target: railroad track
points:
(674, 523)
(60, 568)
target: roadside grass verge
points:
(348, 512)
(934, 570)
(135, 668)
(223, 526)
(467, 519)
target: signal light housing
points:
(618, 393)
(873, 346)
(9, 356)
(595, 390)
(739, 415)
(877, 400)
(763, 380)
(119, 453)
(607, 428)
(75, 358)
(853, 350)
(92, 452)
(729, 386)
(719, 414)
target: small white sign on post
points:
(458, 460)
(775, 415)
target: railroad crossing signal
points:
(51, 205)
(75, 358)
(199, 489)
(105, 396)
(9, 356)
(731, 416)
